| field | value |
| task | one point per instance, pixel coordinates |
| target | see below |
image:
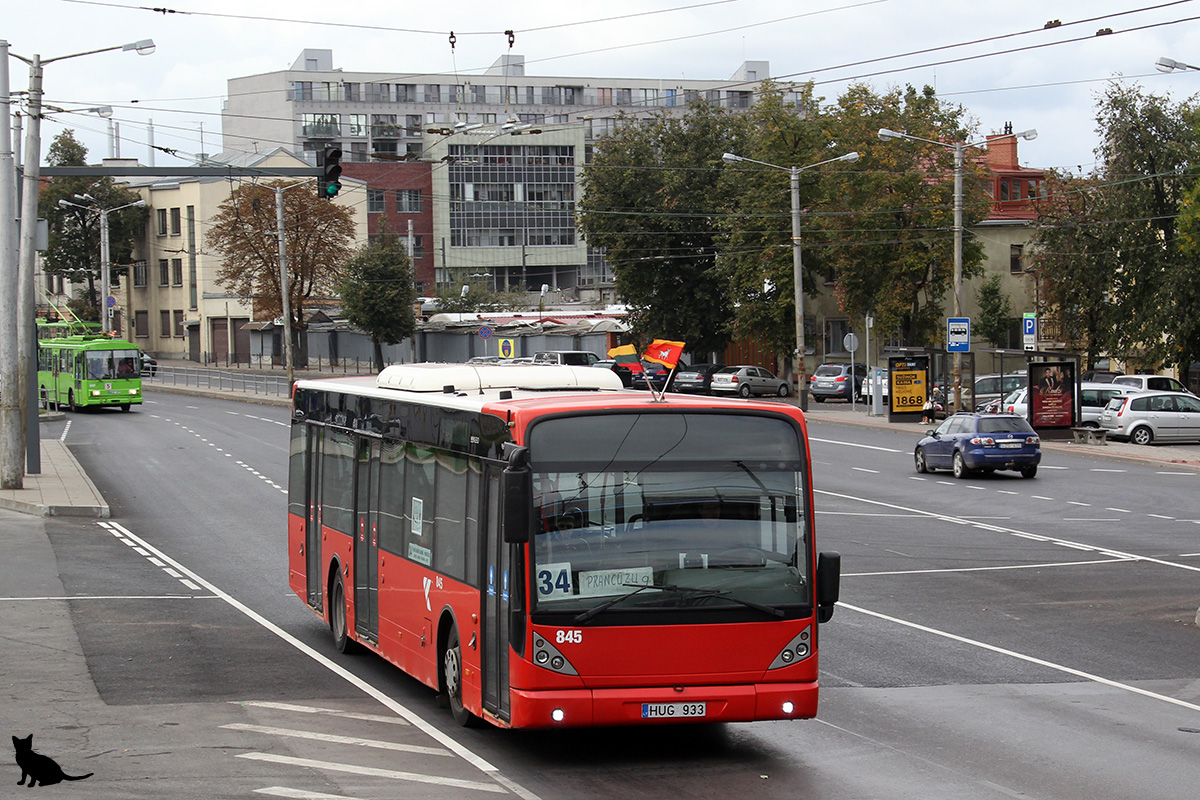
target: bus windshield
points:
(701, 510)
(105, 365)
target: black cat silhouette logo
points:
(39, 768)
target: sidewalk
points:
(63, 489)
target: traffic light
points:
(330, 161)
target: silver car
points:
(1093, 397)
(746, 381)
(1153, 383)
(1146, 417)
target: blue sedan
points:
(969, 442)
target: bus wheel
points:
(452, 673)
(338, 617)
(125, 406)
(71, 400)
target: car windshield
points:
(697, 515)
(1014, 397)
(1004, 425)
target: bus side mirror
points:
(516, 491)
(829, 576)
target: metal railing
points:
(253, 383)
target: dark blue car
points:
(971, 442)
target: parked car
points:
(696, 379)
(1146, 417)
(996, 387)
(746, 381)
(575, 358)
(970, 441)
(1153, 383)
(867, 382)
(836, 381)
(621, 370)
(654, 376)
(1099, 376)
(483, 360)
(149, 365)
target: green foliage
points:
(74, 243)
(378, 293)
(995, 313)
(479, 299)
(650, 198)
(318, 235)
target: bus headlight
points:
(788, 708)
(547, 655)
(798, 649)
(557, 715)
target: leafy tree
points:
(318, 236)
(891, 242)
(1076, 263)
(479, 298)
(378, 293)
(649, 198)
(995, 319)
(74, 244)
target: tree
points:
(649, 199)
(890, 237)
(378, 293)
(318, 237)
(74, 242)
(995, 319)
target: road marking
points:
(1159, 516)
(1023, 657)
(332, 766)
(1097, 469)
(1090, 519)
(333, 712)
(1040, 497)
(1077, 503)
(852, 444)
(1175, 473)
(115, 597)
(1119, 510)
(364, 686)
(66, 428)
(335, 739)
(1113, 560)
(300, 794)
(864, 469)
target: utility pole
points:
(12, 471)
(284, 289)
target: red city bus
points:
(546, 549)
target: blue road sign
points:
(958, 334)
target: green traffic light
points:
(331, 189)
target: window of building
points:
(176, 222)
(405, 92)
(386, 148)
(358, 125)
(669, 95)
(178, 329)
(418, 250)
(141, 324)
(352, 92)
(302, 90)
(1015, 252)
(164, 323)
(835, 336)
(433, 93)
(139, 273)
(177, 272)
(321, 126)
(408, 201)
(164, 272)
(376, 204)
(161, 214)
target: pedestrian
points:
(927, 411)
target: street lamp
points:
(797, 261)
(1165, 64)
(959, 149)
(23, 436)
(105, 311)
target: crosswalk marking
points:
(318, 710)
(335, 739)
(375, 772)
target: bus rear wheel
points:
(452, 674)
(71, 401)
(338, 617)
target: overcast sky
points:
(1017, 71)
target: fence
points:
(205, 378)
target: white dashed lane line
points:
(223, 452)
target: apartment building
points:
(505, 150)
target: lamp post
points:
(105, 311)
(1165, 64)
(22, 275)
(959, 148)
(797, 260)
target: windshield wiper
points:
(605, 606)
(694, 592)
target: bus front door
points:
(366, 540)
(497, 591)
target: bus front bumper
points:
(665, 704)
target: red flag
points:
(665, 352)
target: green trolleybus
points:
(79, 371)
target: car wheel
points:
(1142, 435)
(338, 617)
(1029, 472)
(919, 458)
(783, 390)
(452, 675)
(818, 398)
(744, 391)
(960, 466)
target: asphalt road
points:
(998, 637)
